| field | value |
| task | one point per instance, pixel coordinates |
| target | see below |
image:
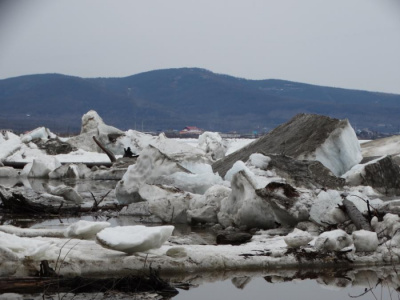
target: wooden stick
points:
(110, 155)
(356, 216)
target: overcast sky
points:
(341, 43)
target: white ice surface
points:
(9, 144)
(355, 175)
(41, 167)
(259, 160)
(325, 211)
(38, 133)
(24, 247)
(297, 238)
(263, 252)
(365, 240)
(212, 144)
(131, 239)
(381, 147)
(149, 168)
(85, 229)
(236, 144)
(82, 230)
(244, 206)
(341, 151)
(83, 156)
(334, 240)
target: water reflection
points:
(88, 189)
(360, 283)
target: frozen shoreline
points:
(262, 254)
(174, 182)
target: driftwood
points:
(356, 216)
(110, 155)
(21, 165)
(130, 284)
(19, 204)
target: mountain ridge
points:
(175, 98)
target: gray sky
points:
(341, 43)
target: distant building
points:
(191, 130)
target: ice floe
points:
(131, 239)
(286, 182)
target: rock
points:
(233, 238)
(383, 174)
(298, 238)
(365, 240)
(333, 142)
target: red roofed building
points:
(191, 130)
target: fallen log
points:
(18, 204)
(21, 165)
(110, 155)
(356, 216)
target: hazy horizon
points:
(344, 44)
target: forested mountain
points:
(175, 98)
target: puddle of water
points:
(236, 288)
(259, 288)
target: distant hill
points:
(175, 98)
